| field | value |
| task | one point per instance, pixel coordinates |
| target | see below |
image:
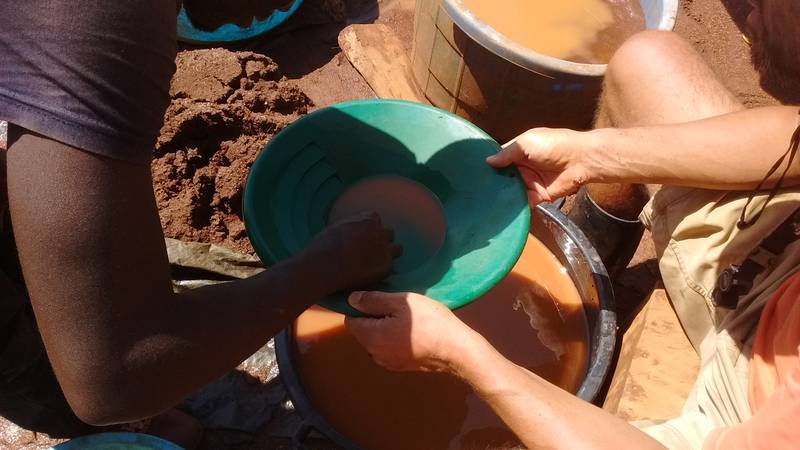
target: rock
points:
(243, 400)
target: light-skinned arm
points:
(409, 332)
(729, 152)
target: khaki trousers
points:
(696, 238)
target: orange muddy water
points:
(534, 317)
(587, 31)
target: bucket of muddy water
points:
(242, 25)
(515, 65)
(461, 223)
(553, 314)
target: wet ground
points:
(307, 52)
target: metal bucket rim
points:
(601, 356)
(526, 58)
(603, 340)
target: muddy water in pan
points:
(587, 31)
(534, 317)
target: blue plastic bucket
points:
(230, 32)
(117, 441)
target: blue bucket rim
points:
(118, 438)
(228, 33)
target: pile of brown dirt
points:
(225, 107)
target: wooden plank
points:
(378, 54)
(657, 366)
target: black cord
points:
(791, 153)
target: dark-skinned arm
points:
(122, 344)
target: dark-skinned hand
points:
(355, 252)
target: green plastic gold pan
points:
(417, 166)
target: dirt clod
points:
(225, 107)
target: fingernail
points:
(355, 297)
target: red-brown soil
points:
(225, 107)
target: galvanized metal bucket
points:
(466, 67)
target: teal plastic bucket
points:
(230, 32)
(117, 441)
(305, 168)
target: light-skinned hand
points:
(549, 160)
(409, 332)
